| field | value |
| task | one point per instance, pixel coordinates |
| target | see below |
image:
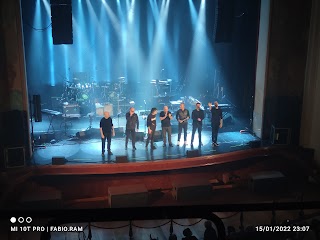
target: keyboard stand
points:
(65, 124)
(50, 117)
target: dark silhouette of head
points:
(173, 237)
(187, 232)
(153, 111)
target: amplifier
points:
(104, 108)
(158, 136)
(71, 111)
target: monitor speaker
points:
(128, 196)
(255, 144)
(193, 153)
(158, 136)
(121, 159)
(140, 136)
(119, 132)
(58, 160)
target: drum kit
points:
(86, 94)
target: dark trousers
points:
(183, 126)
(166, 130)
(107, 136)
(215, 130)
(194, 129)
(151, 137)
(132, 133)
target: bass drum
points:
(83, 98)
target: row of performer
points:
(182, 116)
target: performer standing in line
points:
(197, 117)
(182, 116)
(165, 117)
(216, 121)
(131, 127)
(106, 131)
(151, 124)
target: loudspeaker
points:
(268, 182)
(140, 136)
(185, 189)
(255, 144)
(158, 136)
(14, 129)
(224, 19)
(119, 132)
(121, 159)
(193, 153)
(37, 108)
(61, 18)
(128, 196)
(15, 157)
(58, 160)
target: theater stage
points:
(86, 147)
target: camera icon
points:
(21, 219)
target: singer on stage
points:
(165, 117)
(216, 121)
(151, 124)
(197, 117)
(182, 116)
(131, 127)
(106, 131)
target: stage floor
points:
(88, 150)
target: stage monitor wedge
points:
(61, 18)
